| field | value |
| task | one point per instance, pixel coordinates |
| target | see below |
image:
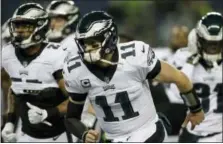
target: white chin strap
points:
(212, 58)
(92, 57)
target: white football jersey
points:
(124, 103)
(70, 44)
(36, 75)
(208, 86)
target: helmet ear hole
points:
(37, 37)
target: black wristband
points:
(76, 127)
(84, 136)
(191, 100)
(11, 117)
(53, 112)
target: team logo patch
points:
(150, 57)
(107, 87)
(85, 83)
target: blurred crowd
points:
(149, 21)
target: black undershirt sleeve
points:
(58, 75)
(156, 70)
(73, 118)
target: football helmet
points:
(66, 10)
(99, 26)
(28, 25)
(209, 37)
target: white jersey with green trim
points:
(208, 85)
(123, 104)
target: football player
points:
(202, 63)
(5, 83)
(35, 69)
(64, 16)
(113, 76)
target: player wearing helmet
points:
(35, 70)
(64, 16)
(201, 61)
(113, 76)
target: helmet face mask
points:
(28, 25)
(63, 19)
(210, 37)
(22, 29)
(210, 47)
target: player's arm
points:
(5, 85)
(57, 111)
(77, 98)
(161, 71)
(62, 107)
(73, 118)
(9, 97)
(169, 74)
(8, 134)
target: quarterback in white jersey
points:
(203, 65)
(37, 85)
(113, 76)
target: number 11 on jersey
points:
(123, 99)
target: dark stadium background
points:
(149, 21)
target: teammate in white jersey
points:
(35, 69)
(202, 63)
(64, 16)
(113, 76)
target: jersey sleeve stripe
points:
(156, 70)
(58, 74)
